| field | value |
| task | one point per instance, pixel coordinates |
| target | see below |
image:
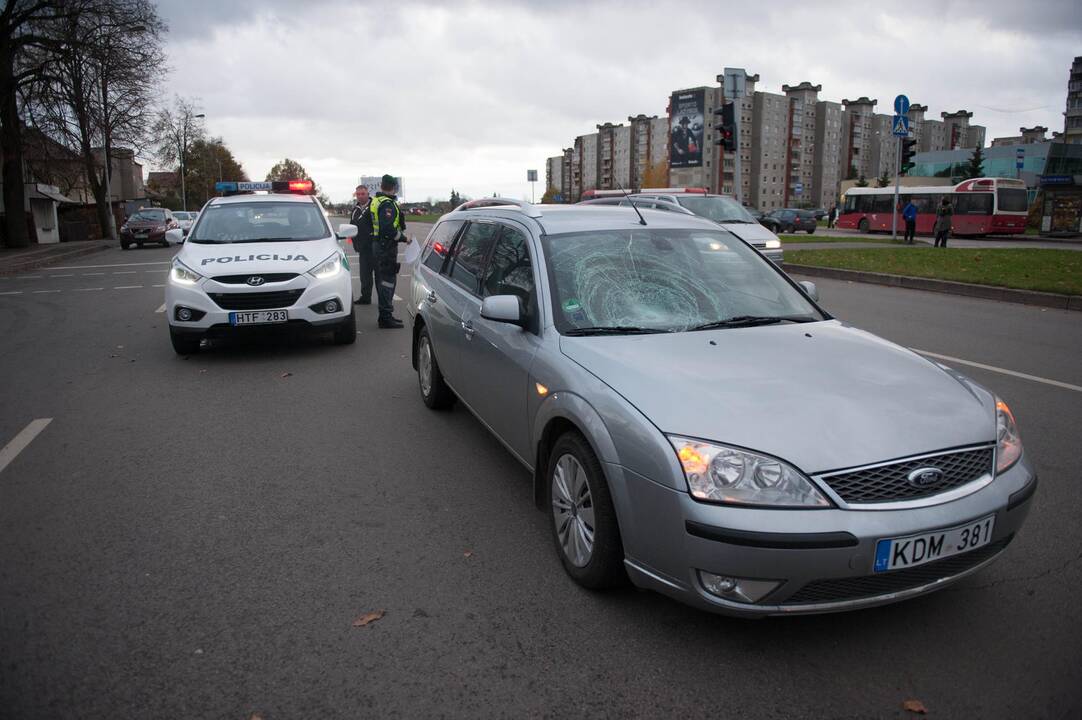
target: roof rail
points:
(529, 209)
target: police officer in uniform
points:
(362, 243)
(388, 229)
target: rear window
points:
(1012, 200)
(444, 235)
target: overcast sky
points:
(471, 95)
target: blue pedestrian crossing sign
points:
(900, 126)
(901, 105)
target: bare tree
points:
(176, 129)
(24, 26)
(104, 67)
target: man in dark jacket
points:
(362, 243)
(388, 229)
(909, 214)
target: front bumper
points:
(154, 236)
(823, 558)
(216, 319)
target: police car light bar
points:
(230, 187)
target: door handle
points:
(431, 297)
(467, 327)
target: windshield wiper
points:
(740, 222)
(270, 239)
(751, 321)
(612, 330)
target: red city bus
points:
(983, 206)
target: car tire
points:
(577, 497)
(165, 243)
(184, 343)
(346, 332)
(811, 231)
(863, 225)
(124, 245)
(139, 245)
(434, 391)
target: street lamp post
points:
(183, 152)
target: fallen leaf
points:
(286, 374)
(468, 553)
(369, 617)
(915, 706)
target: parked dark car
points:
(147, 225)
(820, 213)
(792, 220)
(766, 221)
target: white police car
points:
(259, 261)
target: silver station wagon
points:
(695, 422)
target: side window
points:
(469, 253)
(882, 203)
(509, 271)
(439, 243)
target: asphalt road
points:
(193, 538)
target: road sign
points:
(901, 105)
(798, 188)
(531, 176)
(901, 125)
(1019, 158)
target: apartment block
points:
(1027, 136)
(1072, 116)
(649, 148)
(613, 156)
(801, 141)
(858, 132)
(828, 147)
(554, 173)
(769, 140)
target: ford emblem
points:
(925, 477)
(256, 280)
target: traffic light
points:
(727, 128)
(908, 151)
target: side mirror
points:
(174, 236)
(346, 230)
(810, 289)
(503, 308)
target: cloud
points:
(470, 95)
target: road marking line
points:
(86, 289)
(161, 309)
(12, 292)
(993, 368)
(87, 274)
(70, 275)
(157, 285)
(20, 441)
(38, 292)
(93, 267)
(27, 277)
(127, 287)
(125, 272)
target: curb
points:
(985, 292)
(33, 263)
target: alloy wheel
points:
(573, 510)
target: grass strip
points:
(1043, 270)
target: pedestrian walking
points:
(943, 215)
(832, 215)
(909, 214)
(362, 243)
(388, 229)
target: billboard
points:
(686, 123)
(372, 183)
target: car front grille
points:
(243, 279)
(256, 300)
(856, 588)
(890, 483)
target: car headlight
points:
(773, 244)
(328, 268)
(181, 274)
(717, 473)
(1008, 441)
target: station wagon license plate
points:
(258, 317)
(898, 553)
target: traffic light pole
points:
(897, 180)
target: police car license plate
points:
(258, 317)
(898, 553)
